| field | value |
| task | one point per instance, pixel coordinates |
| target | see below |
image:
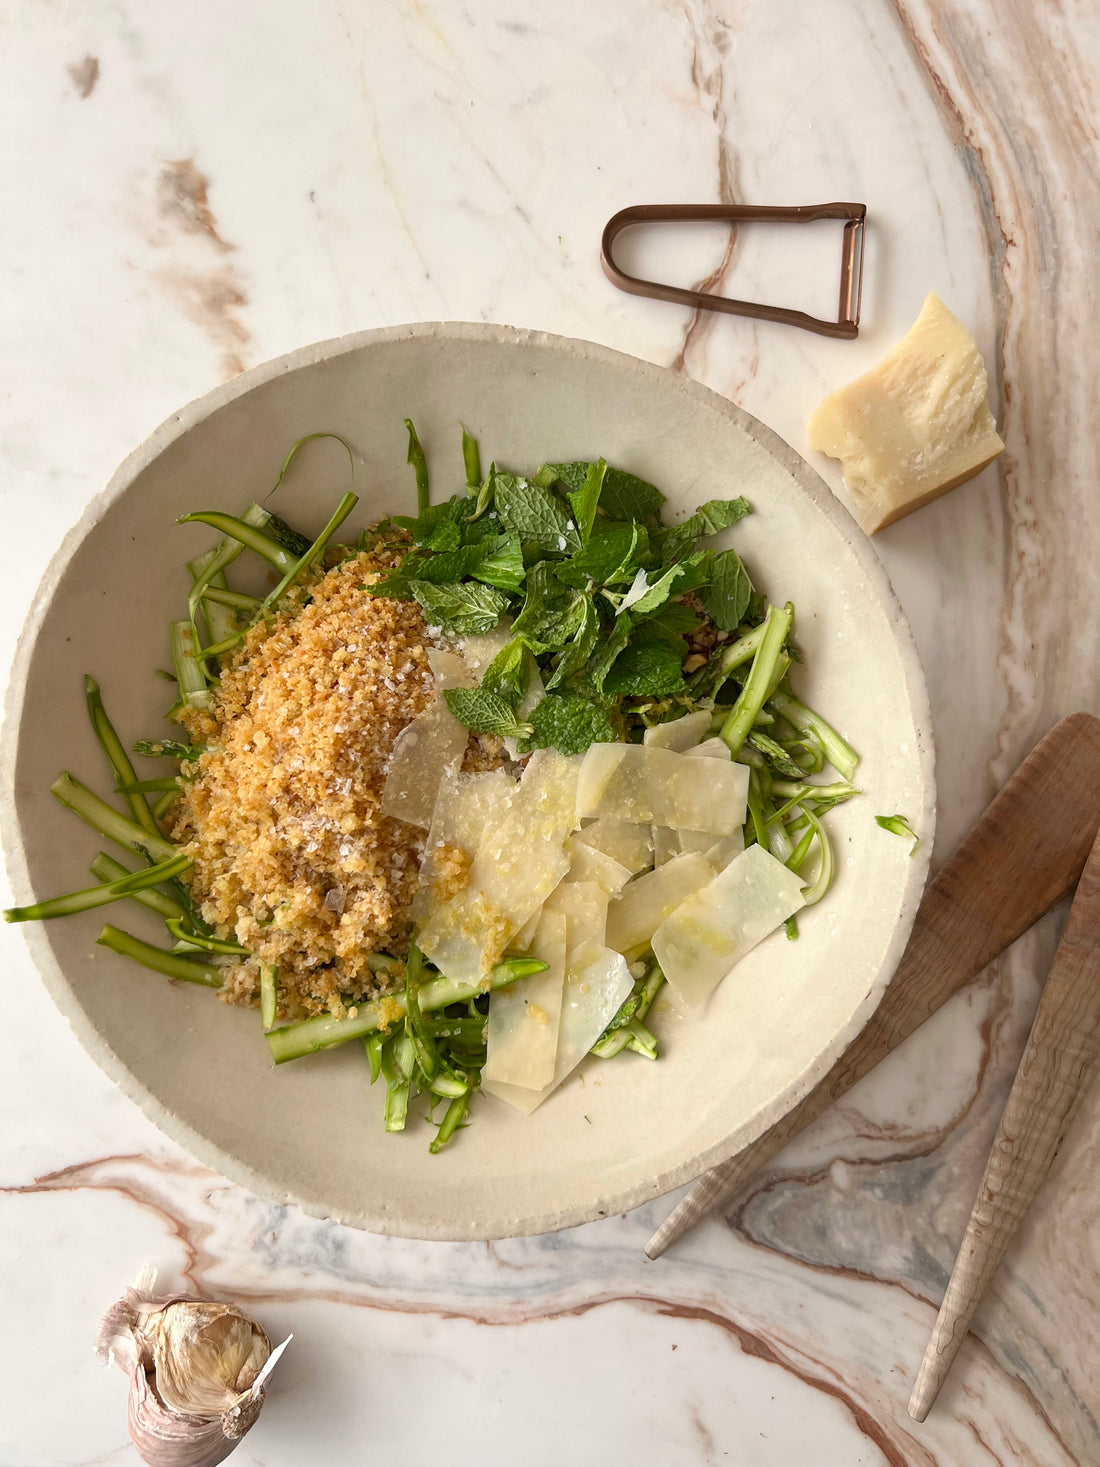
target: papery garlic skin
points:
(205, 1355)
(197, 1370)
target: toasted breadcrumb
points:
(292, 853)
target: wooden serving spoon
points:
(1025, 853)
(1058, 1061)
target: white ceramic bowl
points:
(310, 1132)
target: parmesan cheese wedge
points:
(640, 908)
(640, 783)
(597, 984)
(714, 927)
(429, 748)
(522, 1041)
(913, 427)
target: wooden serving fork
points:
(1058, 1061)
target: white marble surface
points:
(187, 190)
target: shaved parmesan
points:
(629, 844)
(479, 650)
(429, 748)
(719, 853)
(714, 927)
(643, 905)
(467, 806)
(522, 1042)
(523, 939)
(710, 749)
(597, 984)
(640, 783)
(584, 906)
(680, 735)
(666, 844)
(518, 863)
(586, 863)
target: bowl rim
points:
(179, 1130)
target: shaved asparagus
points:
(309, 1035)
(190, 970)
(81, 801)
(99, 896)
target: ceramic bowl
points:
(310, 1132)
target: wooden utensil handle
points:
(1025, 852)
(1060, 1054)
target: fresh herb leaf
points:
(646, 596)
(579, 650)
(570, 722)
(484, 712)
(609, 650)
(449, 565)
(508, 674)
(606, 558)
(719, 514)
(654, 671)
(669, 625)
(898, 825)
(502, 565)
(438, 526)
(538, 517)
(626, 497)
(460, 608)
(585, 499)
(679, 540)
(552, 615)
(730, 592)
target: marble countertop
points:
(188, 190)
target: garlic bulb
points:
(197, 1371)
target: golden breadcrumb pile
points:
(292, 853)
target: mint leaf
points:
(585, 499)
(728, 596)
(538, 517)
(484, 712)
(719, 514)
(577, 653)
(679, 540)
(606, 558)
(571, 723)
(463, 609)
(623, 496)
(551, 615)
(503, 563)
(655, 670)
(450, 565)
(508, 673)
(670, 624)
(645, 595)
(438, 528)
(626, 497)
(572, 475)
(608, 651)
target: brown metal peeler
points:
(851, 264)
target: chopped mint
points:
(484, 712)
(460, 608)
(570, 722)
(539, 518)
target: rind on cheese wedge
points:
(913, 427)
